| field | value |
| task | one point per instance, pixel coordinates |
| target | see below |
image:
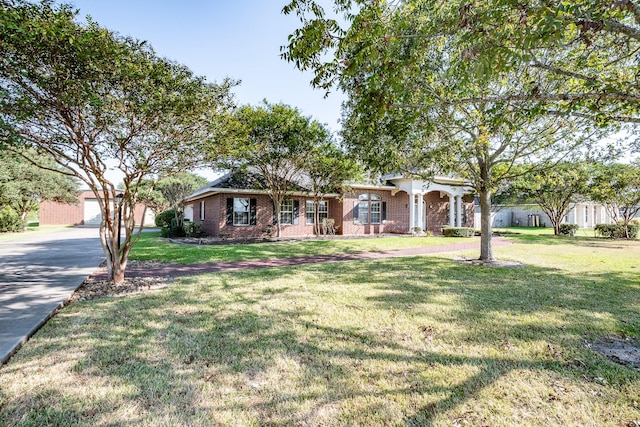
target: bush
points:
(616, 231)
(568, 229)
(10, 221)
(191, 229)
(458, 232)
(163, 219)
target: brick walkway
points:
(189, 269)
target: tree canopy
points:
(275, 140)
(415, 105)
(94, 100)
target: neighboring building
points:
(585, 215)
(86, 211)
(228, 207)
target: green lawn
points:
(421, 341)
(152, 247)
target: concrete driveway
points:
(38, 273)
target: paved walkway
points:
(38, 273)
(183, 270)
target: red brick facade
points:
(394, 217)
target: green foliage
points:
(567, 229)
(192, 228)
(10, 221)
(23, 185)
(617, 186)
(87, 97)
(618, 231)
(276, 140)
(163, 219)
(458, 232)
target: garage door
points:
(92, 214)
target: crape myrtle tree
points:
(176, 188)
(275, 140)
(553, 187)
(410, 108)
(25, 185)
(93, 100)
(328, 169)
(617, 187)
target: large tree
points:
(554, 188)
(275, 140)
(24, 185)
(96, 101)
(617, 186)
(405, 109)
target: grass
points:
(421, 341)
(152, 247)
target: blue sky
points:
(240, 39)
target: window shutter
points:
(253, 203)
(384, 211)
(230, 211)
(275, 220)
(296, 212)
(355, 211)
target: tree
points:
(397, 64)
(24, 185)
(93, 101)
(617, 186)
(329, 170)
(554, 188)
(176, 188)
(275, 140)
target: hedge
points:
(458, 232)
(616, 231)
(568, 229)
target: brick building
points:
(85, 211)
(229, 207)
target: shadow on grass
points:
(291, 345)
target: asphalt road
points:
(38, 274)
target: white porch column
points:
(451, 211)
(458, 211)
(420, 211)
(412, 211)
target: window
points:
(323, 211)
(241, 208)
(286, 212)
(370, 209)
(202, 204)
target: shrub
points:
(458, 232)
(616, 231)
(191, 229)
(163, 219)
(10, 221)
(568, 229)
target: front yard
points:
(422, 341)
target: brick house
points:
(85, 211)
(228, 207)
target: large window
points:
(241, 210)
(323, 211)
(369, 209)
(286, 212)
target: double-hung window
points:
(323, 211)
(369, 209)
(286, 212)
(241, 209)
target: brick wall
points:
(215, 223)
(397, 213)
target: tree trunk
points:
(486, 249)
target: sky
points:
(239, 39)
